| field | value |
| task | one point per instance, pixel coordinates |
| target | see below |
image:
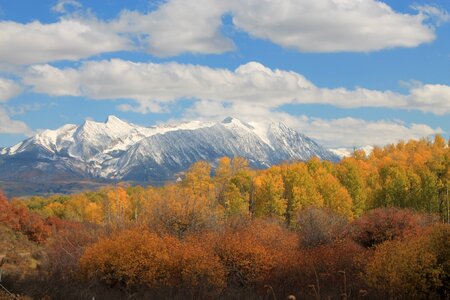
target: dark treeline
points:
(371, 226)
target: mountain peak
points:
(234, 121)
(228, 120)
(111, 119)
(279, 126)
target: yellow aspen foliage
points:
(222, 177)
(177, 210)
(198, 180)
(54, 209)
(334, 195)
(223, 171)
(413, 174)
(239, 164)
(74, 209)
(118, 206)
(93, 213)
(299, 191)
(439, 141)
(138, 198)
(269, 199)
(351, 176)
(235, 203)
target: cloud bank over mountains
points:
(252, 90)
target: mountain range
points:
(116, 150)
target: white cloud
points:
(434, 98)
(49, 80)
(154, 85)
(68, 39)
(8, 89)
(179, 26)
(9, 126)
(331, 25)
(150, 83)
(61, 5)
(349, 132)
(186, 26)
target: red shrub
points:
(384, 224)
(16, 216)
(68, 243)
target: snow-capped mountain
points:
(118, 150)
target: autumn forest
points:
(373, 226)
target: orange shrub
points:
(195, 267)
(137, 257)
(129, 257)
(415, 268)
(245, 258)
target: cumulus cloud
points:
(331, 25)
(150, 83)
(154, 85)
(433, 98)
(9, 126)
(184, 26)
(8, 89)
(178, 26)
(49, 80)
(68, 39)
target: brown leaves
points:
(415, 268)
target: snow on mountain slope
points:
(175, 151)
(117, 150)
(346, 152)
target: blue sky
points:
(345, 72)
